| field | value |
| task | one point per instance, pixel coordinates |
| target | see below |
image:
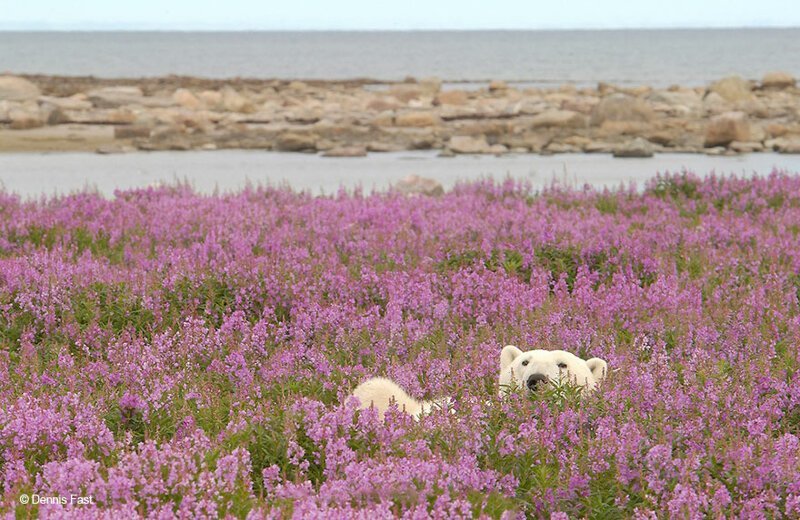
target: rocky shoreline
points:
(350, 118)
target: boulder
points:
(211, 98)
(295, 142)
(416, 119)
(558, 119)
(76, 102)
(346, 151)
(115, 97)
(746, 146)
(13, 88)
(621, 107)
(497, 85)
(186, 99)
(639, 147)
(467, 144)
(379, 146)
(414, 184)
(431, 85)
(784, 144)
(732, 89)
(726, 128)
(119, 116)
(778, 80)
(24, 117)
(232, 101)
(383, 103)
(452, 97)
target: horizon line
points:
(12, 27)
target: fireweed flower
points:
(178, 355)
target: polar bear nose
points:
(535, 380)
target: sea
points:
(463, 59)
(689, 57)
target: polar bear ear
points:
(507, 355)
(598, 368)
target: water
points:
(32, 175)
(654, 57)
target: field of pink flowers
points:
(172, 354)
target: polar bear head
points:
(529, 371)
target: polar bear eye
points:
(524, 363)
(562, 365)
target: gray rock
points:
(732, 89)
(639, 147)
(778, 80)
(726, 128)
(295, 142)
(467, 144)
(13, 88)
(346, 151)
(558, 119)
(621, 107)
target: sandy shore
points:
(350, 118)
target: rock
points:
(381, 104)
(23, 118)
(639, 147)
(115, 97)
(13, 88)
(497, 85)
(498, 149)
(131, 132)
(346, 151)
(467, 144)
(559, 119)
(784, 144)
(113, 149)
(732, 89)
(726, 128)
(187, 99)
(560, 148)
(211, 98)
(416, 119)
(119, 116)
(232, 101)
(294, 142)
(377, 146)
(406, 92)
(621, 107)
(676, 98)
(384, 119)
(446, 153)
(431, 85)
(452, 97)
(414, 184)
(713, 103)
(746, 146)
(76, 102)
(778, 80)
(776, 130)
(53, 115)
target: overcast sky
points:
(407, 14)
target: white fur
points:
(517, 367)
(380, 392)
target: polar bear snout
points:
(536, 381)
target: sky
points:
(395, 15)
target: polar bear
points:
(531, 370)
(380, 392)
(527, 371)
